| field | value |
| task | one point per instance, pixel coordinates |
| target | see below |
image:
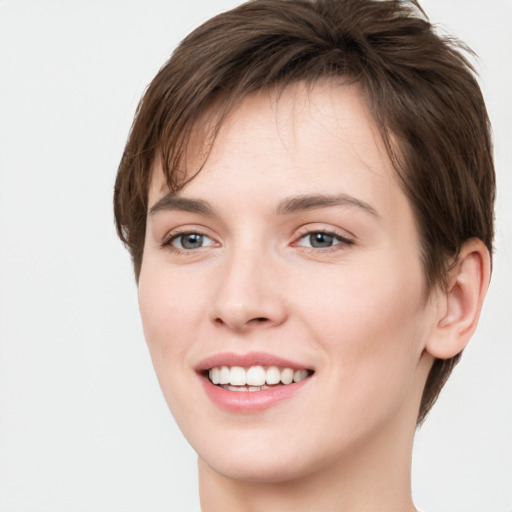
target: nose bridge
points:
(247, 293)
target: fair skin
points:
(295, 247)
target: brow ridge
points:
(173, 202)
(286, 206)
(315, 201)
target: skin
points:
(358, 312)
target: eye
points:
(322, 240)
(189, 241)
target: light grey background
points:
(83, 426)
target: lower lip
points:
(250, 401)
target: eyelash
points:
(167, 241)
(342, 241)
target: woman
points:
(307, 196)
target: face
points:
(282, 293)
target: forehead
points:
(312, 137)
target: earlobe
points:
(462, 302)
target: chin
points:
(258, 467)
(265, 455)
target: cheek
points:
(372, 324)
(168, 308)
(173, 307)
(169, 321)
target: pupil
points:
(321, 240)
(192, 241)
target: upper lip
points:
(247, 360)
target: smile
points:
(255, 378)
(252, 382)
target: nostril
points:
(240, 323)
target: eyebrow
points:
(314, 201)
(287, 206)
(174, 202)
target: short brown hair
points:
(421, 90)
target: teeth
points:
(287, 376)
(244, 388)
(237, 376)
(224, 375)
(255, 378)
(299, 375)
(215, 375)
(273, 375)
(236, 388)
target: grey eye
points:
(190, 241)
(321, 240)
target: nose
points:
(248, 294)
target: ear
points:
(460, 305)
